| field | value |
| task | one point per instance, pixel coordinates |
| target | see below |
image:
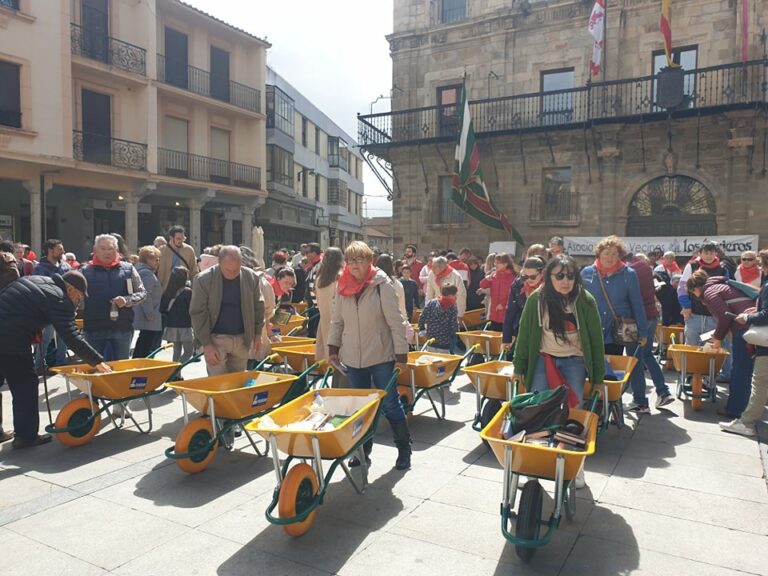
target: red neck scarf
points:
(605, 272)
(672, 268)
(439, 276)
(446, 301)
(275, 286)
(349, 286)
(314, 261)
(505, 272)
(749, 274)
(714, 264)
(97, 262)
(527, 288)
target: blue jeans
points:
(741, 376)
(698, 325)
(112, 345)
(42, 348)
(648, 360)
(379, 374)
(572, 368)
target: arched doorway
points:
(672, 205)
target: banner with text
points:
(680, 245)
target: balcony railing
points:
(10, 118)
(338, 161)
(202, 82)
(101, 149)
(95, 45)
(556, 208)
(206, 169)
(706, 89)
(12, 4)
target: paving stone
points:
(102, 533)
(17, 488)
(24, 556)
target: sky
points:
(332, 51)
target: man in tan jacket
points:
(176, 253)
(227, 312)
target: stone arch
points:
(667, 205)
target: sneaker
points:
(664, 400)
(579, 480)
(639, 408)
(738, 427)
(5, 435)
(354, 462)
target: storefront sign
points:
(680, 245)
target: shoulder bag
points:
(534, 411)
(623, 329)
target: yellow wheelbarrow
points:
(301, 488)
(487, 342)
(473, 318)
(537, 462)
(293, 325)
(693, 360)
(80, 419)
(493, 385)
(609, 393)
(226, 403)
(286, 341)
(665, 337)
(426, 372)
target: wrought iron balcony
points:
(557, 207)
(10, 118)
(101, 149)
(205, 169)
(96, 45)
(707, 90)
(202, 82)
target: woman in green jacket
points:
(560, 320)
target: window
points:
(557, 108)
(279, 166)
(686, 58)
(448, 211)
(280, 110)
(556, 201)
(338, 155)
(10, 95)
(317, 140)
(304, 130)
(337, 192)
(452, 10)
(12, 4)
(448, 110)
(220, 154)
(317, 187)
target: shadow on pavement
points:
(341, 525)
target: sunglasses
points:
(747, 259)
(564, 275)
(523, 277)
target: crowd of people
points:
(558, 320)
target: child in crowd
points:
(440, 317)
(411, 289)
(174, 306)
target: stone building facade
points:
(564, 156)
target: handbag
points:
(623, 329)
(534, 411)
(757, 335)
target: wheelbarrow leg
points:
(250, 439)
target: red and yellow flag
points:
(666, 30)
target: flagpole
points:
(605, 38)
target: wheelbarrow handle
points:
(271, 358)
(392, 380)
(160, 349)
(470, 351)
(428, 342)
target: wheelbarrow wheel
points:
(194, 436)
(75, 415)
(406, 399)
(297, 493)
(529, 518)
(696, 388)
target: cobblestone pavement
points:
(668, 494)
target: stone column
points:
(132, 200)
(249, 209)
(227, 227)
(196, 204)
(35, 214)
(734, 212)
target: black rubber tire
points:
(490, 409)
(529, 518)
(617, 410)
(570, 502)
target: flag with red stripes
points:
(596, 28)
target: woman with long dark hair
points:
(325, 288)
(174, 305)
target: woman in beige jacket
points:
(368, 335)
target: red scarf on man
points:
(605, 272)
(97, 262)
(714, 264)
(749, 274)
(275, 286)
(440, 275)
(348, 284)
(446, 301)
(314, 261)
(673, 268)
